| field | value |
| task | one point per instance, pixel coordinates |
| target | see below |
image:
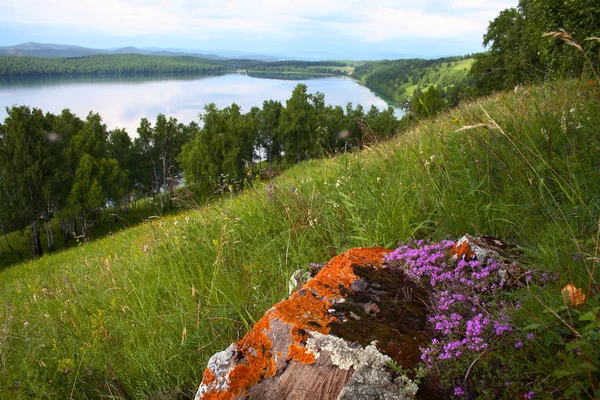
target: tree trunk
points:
(65, 229)
(83, 227)
(50, 236)
(127, 203)
(36, 243)
(9, 246)
(166, 191)
(157, 185)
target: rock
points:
(331, 339)
(484, 247)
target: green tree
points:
(25, 168)
(120, 148)
(427, 103)
(298, 125)
(269, 135)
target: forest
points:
(59, 167)
(143, 65)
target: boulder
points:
(336, 337)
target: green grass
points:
(144, 309)
(20, 241)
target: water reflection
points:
(122, 102)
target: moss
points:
(390, 309)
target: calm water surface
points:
(122, 102)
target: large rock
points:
(334, 338)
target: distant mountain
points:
(44, 50)
(48, 50)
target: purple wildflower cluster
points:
(466, 317)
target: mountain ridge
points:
(53, 50)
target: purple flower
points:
(518, 344)
(530, 336)
(529, 395)
(458, 391)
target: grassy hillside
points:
(20, 241)
(398, 79)
(140, 312)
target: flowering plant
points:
(469, 310)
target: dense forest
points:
(62, 167)
(139, 64)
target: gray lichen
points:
(220, 364)
(373, 379)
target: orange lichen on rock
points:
(306, 310)
(301, 354)
(462, 251)
(338, 273)
(256, 347)
(208, 377)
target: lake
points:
(122, 102)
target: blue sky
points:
(322, 29)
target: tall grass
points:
(139, 313)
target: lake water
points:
(122, 102)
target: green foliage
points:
(570, 337)
(427, 103)
(518, 53)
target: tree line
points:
(60, 167)
(139, 64)
(518, 52)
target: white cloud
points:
(260, 19)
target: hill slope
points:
(140, 312)
(397, 80)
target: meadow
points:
(137, 314)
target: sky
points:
(311, 29)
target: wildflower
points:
(529, 395)
(458, 391)
(518, 344)
(530, 336)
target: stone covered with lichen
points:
(331, 339)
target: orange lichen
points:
(298, 335)
(214, 395)
(305, 310)
(300, 354)
(462, 251)
(208, 377)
